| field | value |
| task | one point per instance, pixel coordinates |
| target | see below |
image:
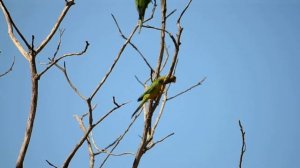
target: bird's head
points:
(167, 80)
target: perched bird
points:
(154, 90)
(141, 6)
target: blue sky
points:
(248, 50)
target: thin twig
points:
(171, 13)
(85, 136)
(133, 46)
(10, 68)
(54, 62)
(243, 148)
(184, 10)
(188, 89)
(114, 101)
(12, 36)
(119, 139)
(159, 141)
(139, 81)
(160, 113)
(152, 13)
(114, 63)
(64, 70)
(50, 164)
(56, 25)
(90, 148)
(162, 36)
(159, 29)
(61, 32)
(166, 59)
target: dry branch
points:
(114, 63)
(188, 89)
(31, 58)
(147, 136)
(10, 25)
(62, 15)
(132, 45)
(243, 148)
(9, 69)
(87, 133)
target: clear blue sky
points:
(248, 50)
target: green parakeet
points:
(141, 6)
(154, 90)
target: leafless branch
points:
(119, 139)
(166, 31)
(184, 10)
(163, 4)
(243, 148)
(61, 32)
(160, 112)
(139, 81)
(64, 70)
(90, 148)
(68, 5)
(9, 70)
(159, 141)
(85, 136)
(10, 25)
(107, 114)
(55, 61)
(171, 13)
(133, 46)
(147, 136)
(188, 89)
(166, 59)
(114, 63)
(153, 12)
(114, 101)
(50, 164)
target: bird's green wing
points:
(154, 88)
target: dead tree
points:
(164, 58)
(30, 53)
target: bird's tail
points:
(137, 110)
(141, 20)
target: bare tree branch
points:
(114, 63)
(133, 46)
(10, 25)
(50, 164)
(85, 136)
(32, 112)
(160, 112)
(53, 62)
(159, 141)
(119, 139)
(68, 5)
(243, 148)
(61, 32)
(147, 136)
(31, 58)
(182, 13)
(171, 13)
(140, 82)
(152, 13)
(163, 4)
(166, 59)
(190, 88)
(88, 140)
(9, 69)
(64, 70)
